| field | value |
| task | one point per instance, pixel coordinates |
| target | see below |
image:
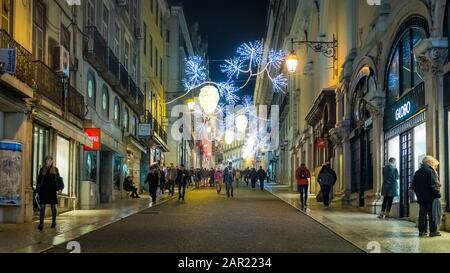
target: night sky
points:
(227, 23)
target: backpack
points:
(303, 174)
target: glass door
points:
(406, 172)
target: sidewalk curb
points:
(322, 224)
(119, 218)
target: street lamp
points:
(328, 49)
(190, 104)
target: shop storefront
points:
(405, 140)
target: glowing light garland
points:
(249, 62)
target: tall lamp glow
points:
(292, 62)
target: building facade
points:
(381, 96)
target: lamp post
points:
(328, 49)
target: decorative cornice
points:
(375, 102)
(431, 55)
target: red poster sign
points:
(95, 135)
(321, 143)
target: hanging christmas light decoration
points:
(241, 123)
(229, 137)
(209, 98)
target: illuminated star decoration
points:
(196, 73)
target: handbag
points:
(60, 183)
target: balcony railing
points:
(156, 127)
(48, 83)
(75, 103)
(124, 80)
(24, 61)
(96, 48)
(113, 66)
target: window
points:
(157, 13)
(91, 88)
(151, 51)
(90, 21)
(403, 73)
(105, 22)
(91, 166)
(6, 15)
(38, 30)
(145, 39)
(65, 37)
(116, 40)
(63, 161)
(126, 120)
(161, 70)
(41, 148)
(161, 25)
(116, 111)
(156, 60)
(105, 101)
(126, 55)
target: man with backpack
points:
(303, 176)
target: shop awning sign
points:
(93, 134)
(321, 143)
(8, 60)
(145, 131)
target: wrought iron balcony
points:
(124, 81)
(95, 49)
(112, 74)
(157, 129)
(48, 83)
(24, 61)
(75, 103)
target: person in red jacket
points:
(303, 176)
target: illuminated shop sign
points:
(95, 135)
(403, 111)
(405, 108)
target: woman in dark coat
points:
(153, 182)
(389, 189)
(47, 188)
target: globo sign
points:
(403, 111)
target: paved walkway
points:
(251, 222)
(25, 238)
(365, 230)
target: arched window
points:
(91, 88)
(117, 111)
(403, 73)
(126, 120)
(105, 101)
(360, 113)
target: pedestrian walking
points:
(162, 179)
(238, 177)
(205, 177)
(326, 180)
(171, 176)
(182, 180)
(262, 175)
(426, 187)
(253, 177)
(211, 177)
(246, 176)
(389, 189)
(218, 179)
(303, 177)
(198, 177)
(153, 182)
(228, 177)
(49, 184)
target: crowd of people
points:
(426, 186)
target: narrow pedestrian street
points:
(252, 222)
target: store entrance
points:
(409, 148)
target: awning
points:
(64, 128)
